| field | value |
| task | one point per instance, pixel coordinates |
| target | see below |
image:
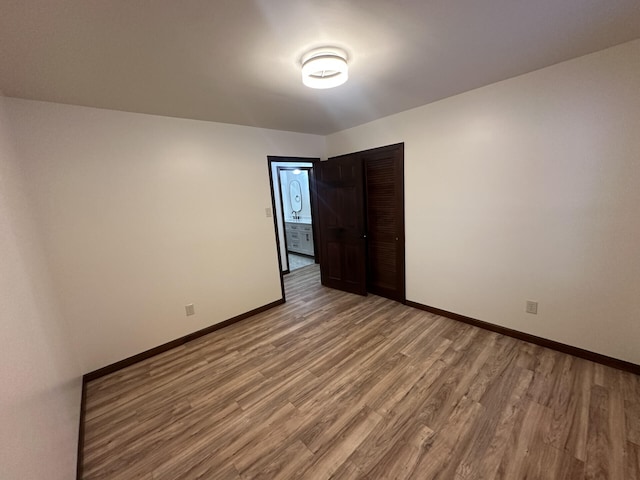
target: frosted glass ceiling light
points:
(325, 68)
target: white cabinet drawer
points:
(299, 238)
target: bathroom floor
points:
(298, 261)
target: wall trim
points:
(114, 367)
(543, 342)
(83, 405)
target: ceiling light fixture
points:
(325, 67)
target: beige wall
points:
(143, 215)
(528, 189)
(39, 373)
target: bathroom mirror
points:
(295, 196)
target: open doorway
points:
(293, 199)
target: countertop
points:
(303, 221)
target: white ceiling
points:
(238, 61)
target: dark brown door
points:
(339, 184)
(384, 188)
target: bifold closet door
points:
(339, 183)
(361, 220)
(384, 207)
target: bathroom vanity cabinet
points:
(299, 237)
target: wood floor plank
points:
(334, 385)
(486, 447)
(280, 465)
(571, 422)
(552, 464)
(348, 471)
(401, 460)
(331, 457)
(632, 463)
(604, 459)
(438, 461)
(529, 420)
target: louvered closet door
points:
(384, 190)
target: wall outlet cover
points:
(190, 309)
(532, 307)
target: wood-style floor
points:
(333, 385)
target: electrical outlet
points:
(267, 212)
(532, 307)
(190, 309)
